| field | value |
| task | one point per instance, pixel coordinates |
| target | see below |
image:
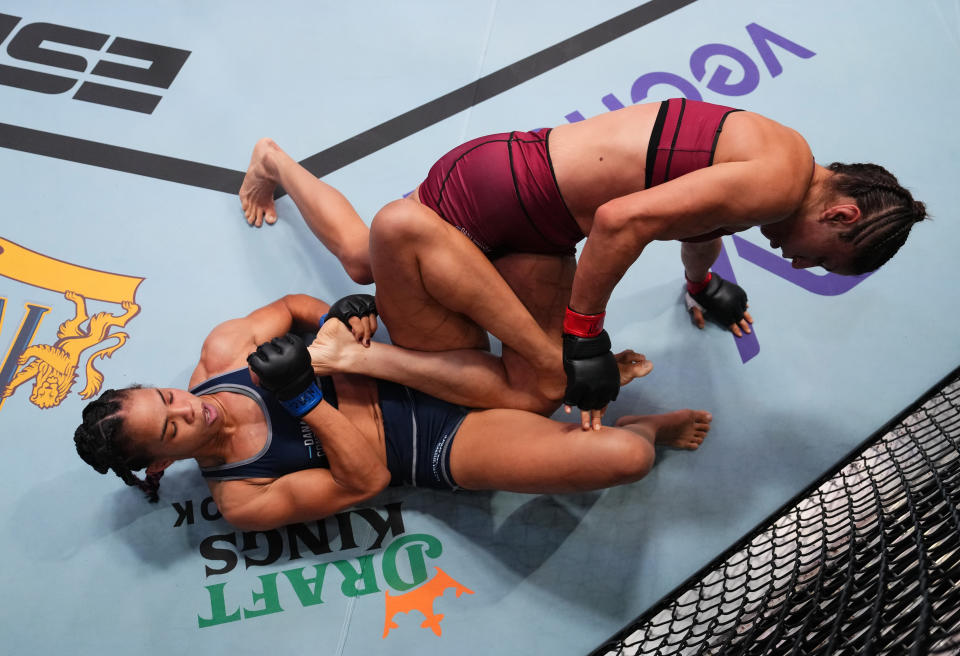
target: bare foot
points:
(681, 429)
(256, 192)
(632, 365)
(334, 350)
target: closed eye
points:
(173, 432)
(163, 430)
(167, 401)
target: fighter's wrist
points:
(582, 325)
(695, 286)
(304, 402)
(585, 348)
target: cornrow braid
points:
(888, 212)
(102, 443)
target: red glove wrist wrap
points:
(697, 287)
(582, 325)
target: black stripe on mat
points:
(404, 125)
(350, 150)
(119, 158)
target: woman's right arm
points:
(356, 473)
(356, 470)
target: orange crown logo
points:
(421, 599)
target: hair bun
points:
(919, 211)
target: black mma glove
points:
(593, 378)
(283, 366)
(354, 305)
(721, 300)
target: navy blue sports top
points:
(290, 446)
(418, 432)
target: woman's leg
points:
(523, 452)
(326, 211)
(470, 377)
(445, 352)
(542, 284)
(437, 291)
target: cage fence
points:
(866, 562)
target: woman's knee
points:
(398, 222)
(630, 457)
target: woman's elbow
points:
(380, 481)
(626, 229)
(610, 218)
(370, 485)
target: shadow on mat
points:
(72, 522)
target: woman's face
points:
(170, 423)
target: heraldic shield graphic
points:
(51, 370)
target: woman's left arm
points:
(228, 344)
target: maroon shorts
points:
(684, 139)
(500, 191)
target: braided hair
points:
(103, 445)
(889, 211)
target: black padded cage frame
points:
(864, 561)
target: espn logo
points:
(163, 63)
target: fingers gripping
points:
(358, 312)
(592, 419)
(354, 305)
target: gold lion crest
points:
(54, 367)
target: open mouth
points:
(209, 414)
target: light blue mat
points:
(121, 204)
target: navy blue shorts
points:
(419, 431)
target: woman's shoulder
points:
(225, 349)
